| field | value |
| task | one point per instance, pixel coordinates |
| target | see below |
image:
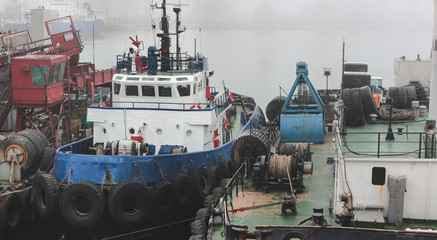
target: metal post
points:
(379, 143)
(390, 135)
(420, 145)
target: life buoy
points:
(130, 203)
(194, 105)
(225, 123)
(230, 96)
(101, 104)
(76, 195)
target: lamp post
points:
(327, 73)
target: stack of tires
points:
(27, 147)
(199, 227)
(130, 203)
(402, 96)
(359, 104)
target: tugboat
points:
(159, 146)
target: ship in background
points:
(81, 12)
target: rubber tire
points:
(357, 107)
(198, 227)
(224, 182)
(412, 95)
(126, 190)
(95, 198)
(185, 187)
(293, 235)
(287, 149)
(369, 104)
(403, 98)
(210, 200)
(11, 212)
(29, 148)
(197, 237)
(47, 159)
(227, 168)
(38, 140)
(203, 214)
(393, 93)
(216, 175)
(274, 107)
(46, 195)
(347, 100)
(262, 118)
(165, 199)
(202, 182)
(252, 141)
(219, 191)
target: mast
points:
(165, 39)
(433, 87)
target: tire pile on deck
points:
(30, 150)
(358, 105)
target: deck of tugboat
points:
(162, 73)
(319, 187)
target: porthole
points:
(131, 130)
(159, 131)
(189, 133)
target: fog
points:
(253, 45)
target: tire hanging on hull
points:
(129, 203)
(82, 204)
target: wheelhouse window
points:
(51, 74)
(147, 79)
(194, 88)
(181, 79)
(39, 74)
(117, 88)
(133, 78)
(184, 90)
(148, 91)
(164, 91)
(61, 72)
(164, 79)
(118, 78)
(131, 90)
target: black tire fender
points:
(251, 141)
(47, 159)
(82, 204)
(185, 187)
(46, 198)
(203, 214)
(202, 182)
(197, 227)
(129, 203)
(11, 212)
(293, 234)
(273, 109)
(165, 199)
(216, 175)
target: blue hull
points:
(77, 165)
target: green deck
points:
(320, 185)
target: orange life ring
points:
(225, 123)
(194, 105)
(101, 104)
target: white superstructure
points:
(162, 109)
